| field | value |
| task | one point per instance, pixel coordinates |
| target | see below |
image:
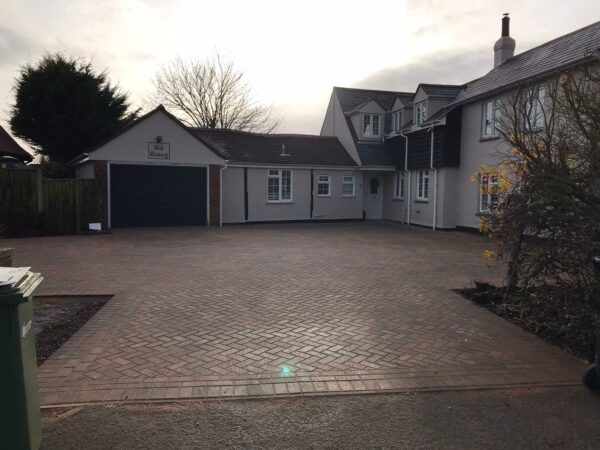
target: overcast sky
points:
(293, 53)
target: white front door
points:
(373, 196)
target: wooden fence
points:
(61, 206)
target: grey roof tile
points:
(558, 53)
(375, 154)
(448, 91)
(351, 98)
(258, 148)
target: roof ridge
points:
(267, 135)
(373, 90)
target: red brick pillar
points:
(214, 189)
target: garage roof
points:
(9, 147)
(281, 149)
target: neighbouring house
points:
(401, 156)
(11, 153)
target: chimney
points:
(504, 47)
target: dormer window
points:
(371, 125)
(396, 121)
(420, 113)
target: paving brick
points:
(357, 306)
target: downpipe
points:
(408, 198)
(435, 178)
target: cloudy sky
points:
(292, 52)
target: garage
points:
(154, 195)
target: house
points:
(157, 171)
(401, 156)
(11, 153)
(436, 139)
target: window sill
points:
(348, 196)
(421, 200)
(488, 138)
(323, 195)
(398, 199)
(279, 202)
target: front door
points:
(373, 197)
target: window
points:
(420, 113)
(396, 120)
(371, 125)
(399, 185)
(534, 114)
(324, 185)
(488, 192)
(348, 189)
(423, 185)
(279, 185)
(491, 118)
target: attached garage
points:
(153, 195)
(156, 172)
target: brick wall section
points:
(214, 185)
(101, 174)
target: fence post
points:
(40, 190)
(78, 205)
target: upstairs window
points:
(371, 125)
(488, 192)
(534, 113)
(396, 121)
(279, 187)
(348, 189)
(420, 113)
(399, 185)
(324, 185)
(423, 185)
(491, 118)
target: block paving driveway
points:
(279, 310)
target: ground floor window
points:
(279, 185)
(488, 192)
(399, 185)
(324, 185)
(348, 187)
(423, 185)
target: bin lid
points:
(12, 275)
(19, 278)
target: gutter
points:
(408, 199)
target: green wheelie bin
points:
(20, 418)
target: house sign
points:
(159, 150)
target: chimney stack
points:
(504, 47)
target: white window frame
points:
(368, 125)
(324, 180)
(396, 121)
(349, 181)
(423, 185)
(486, 195)
(278, 174)
(420, 112)
(491, 116)
(399, 185)
(534, 114)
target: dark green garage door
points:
(145, 195)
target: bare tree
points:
(210, 94)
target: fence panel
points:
(18, 189)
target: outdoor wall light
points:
(158, 138)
